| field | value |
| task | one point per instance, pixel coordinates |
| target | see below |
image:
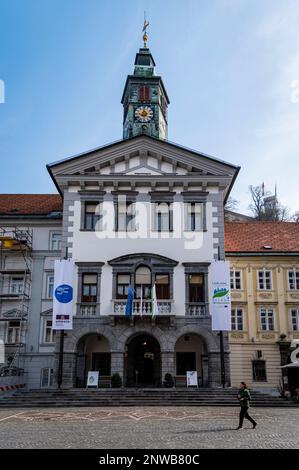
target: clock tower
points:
(145, 99)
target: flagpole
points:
(222, 361)
(61, 347)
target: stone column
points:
(214, 362)
(69, 370)
(205, 370)
(117, 364)
(167, 364)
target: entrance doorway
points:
(191, 355)
(93, 354)
(143, 362)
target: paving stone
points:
(149, 428)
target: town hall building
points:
(139, 212)
(136, 213)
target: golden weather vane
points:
(145, 25)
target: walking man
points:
(244, 398)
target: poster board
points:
(192, 380)
(92, 379)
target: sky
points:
(230, 67)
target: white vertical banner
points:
(220, 299)
(63, 294)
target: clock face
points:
(144, 113)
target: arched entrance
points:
(93, 353)
(143, 361)
(191, 355)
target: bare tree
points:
(265, 207)
(231, 204)
(295, 217)
(257, 201)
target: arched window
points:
(143, 282)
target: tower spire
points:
(145, 26)
(144, 99)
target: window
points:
(259, 370)
(143, 282)
(293, 278)
(185, 361)
(237, 319)
(122, 287)
(295, 319)
(17, 285)
(46, 377)
(89, 288)
(13, 332)
(91, 215)
(49, 334)
(267, 319)
(50, 286)
(162, 286)
(196, 288)
(265, 280)
(163, 216)
(55, 241)
(235, 280)
(194, 216)
(144, 93)
(125, 216)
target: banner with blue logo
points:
(63, 295)
(220, 299)
(129, 304)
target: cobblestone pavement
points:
(150, 428)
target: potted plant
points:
(116, 381)
(168, 381)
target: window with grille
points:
(49, 334)
(196, 287)
(13, 332)
(162, 286)
(194, 220)
(295, 319)
(92, 215)
(235, 279)
(16, 285)
(143, 282)
(293, 279)
(89, 288)
(46, 377)
(265, 280)
(163, 217)
(122, 286)
(267, 319)
(55, 241)
(125, 216)
(259, 370)
(50, 286)
(237, 319)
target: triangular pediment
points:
(142, 155)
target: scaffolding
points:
(15, 286)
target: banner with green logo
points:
(220, 299)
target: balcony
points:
(142, 308)
(88, 310)
(196, 309)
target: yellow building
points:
(264, 261)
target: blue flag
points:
(129, 304)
